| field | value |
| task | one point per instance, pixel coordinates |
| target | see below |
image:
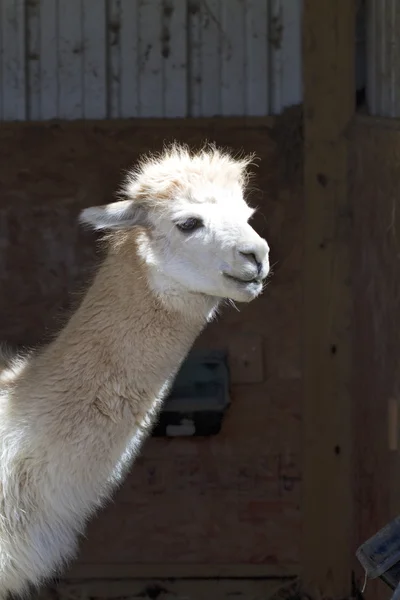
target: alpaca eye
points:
(190, 224)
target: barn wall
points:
(374, 177)
(96, 59)
(227, 505)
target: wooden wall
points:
(329, 101)
(226, 506)
(204, 509)
(97, 59)
(374, 177)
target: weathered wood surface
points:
(329, 97)
(231, 503)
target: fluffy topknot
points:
(157, 176)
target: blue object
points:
(380, 556)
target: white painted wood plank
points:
(292, 52)
(33, 59)
(361, 47)
(94, 59)
(151, 84)
(285, 39)
(383, 58)
(275, 40)
(194, 60)
(12, 22)
(211, 36)
(373, 71)
(256, 59)
(174, 52)
(48, 59)
(70, 59)
(114, 57)
(129, 59)
(233, 58)
(1, 64)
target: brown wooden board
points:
(184, 589)
(375, 182)
(329, 95)
(204, 507)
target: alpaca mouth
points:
(255, 280)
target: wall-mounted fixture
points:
(198, 399)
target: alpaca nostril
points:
(253, 257)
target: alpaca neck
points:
(126, 340)
(127, 305)
(84, 404)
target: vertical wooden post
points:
(329, 104)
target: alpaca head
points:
(194, 223)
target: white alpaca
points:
(73, 415)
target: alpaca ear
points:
(117, 215)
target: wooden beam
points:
(81, 570)
(195, 589)
(375, 150)
(329, 99)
